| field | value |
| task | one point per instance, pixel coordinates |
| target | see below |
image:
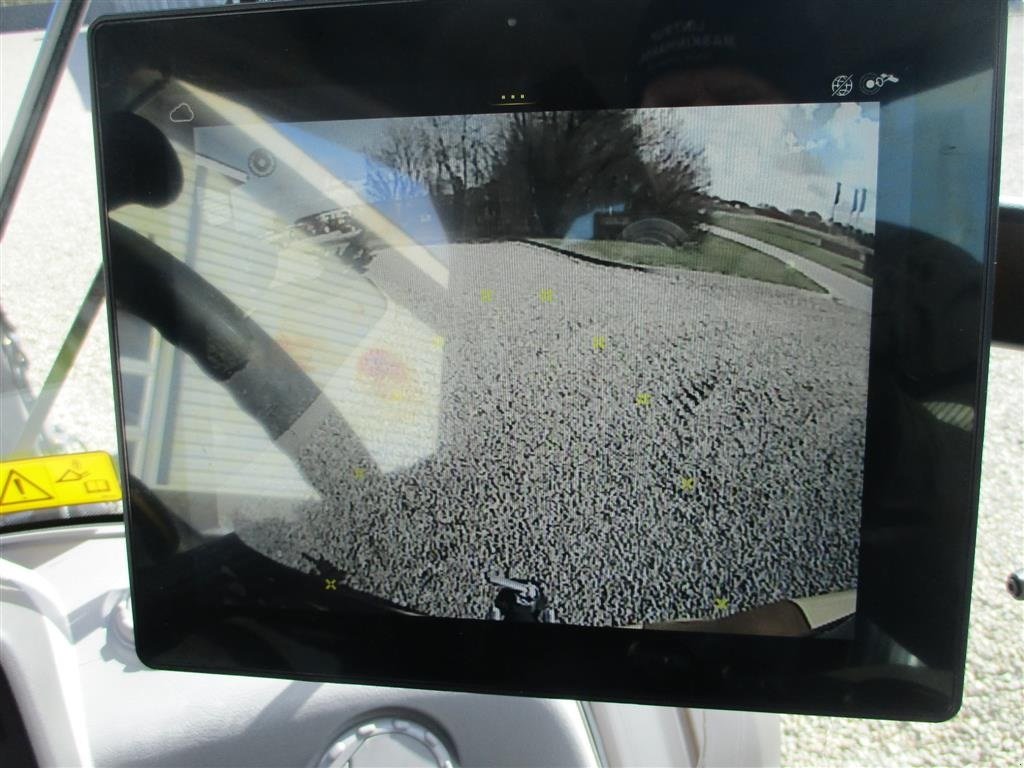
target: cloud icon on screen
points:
(182, 114)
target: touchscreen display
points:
(602, 368)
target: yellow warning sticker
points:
(57, 481)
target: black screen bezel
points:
(914, 579)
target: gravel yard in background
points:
(51, 249)
(989, 730)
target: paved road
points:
(844, 289)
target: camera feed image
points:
(596, 368)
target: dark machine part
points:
(1015, 584)
(1007, 317)
(520, 601)
(357, 254)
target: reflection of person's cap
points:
(675, 37)
(737, 57)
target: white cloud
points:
(789, 156)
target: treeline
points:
(535, 174)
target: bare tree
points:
(557, 166)
(678, 175)
(398, 168)
(442, 157)
(429, 154)
(540, 170)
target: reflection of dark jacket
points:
(920, 479)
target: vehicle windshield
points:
(57, 394)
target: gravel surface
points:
(599, 428)
(51, 250)
(989, 730)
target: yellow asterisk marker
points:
(359, 473)
(687, 483)
(486, 295)
(331, 584)
(439, 342)
(721, 603)
(599, 343)
(643, 398)
(547, 295)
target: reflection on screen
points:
(606, 368)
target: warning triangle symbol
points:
(18, 489)
(70, 476)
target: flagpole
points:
(835, 202)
